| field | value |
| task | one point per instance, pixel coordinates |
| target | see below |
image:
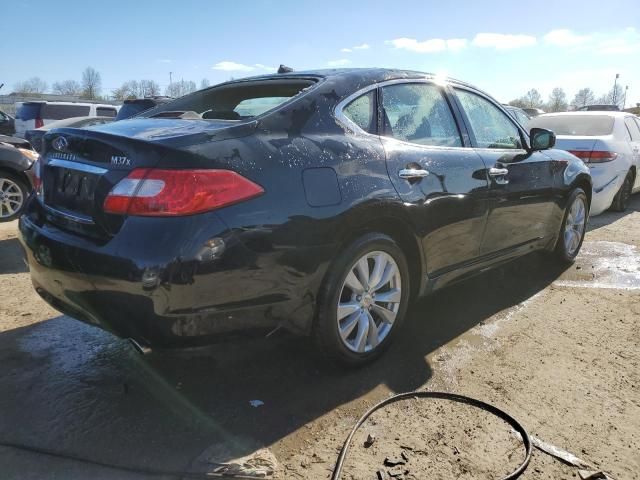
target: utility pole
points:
(615, 86)
(624, 102)
(170, 82)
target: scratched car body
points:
(320, 201)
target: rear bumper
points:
(159, 285)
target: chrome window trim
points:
(82, 167)
(346, 122)
(69, 216)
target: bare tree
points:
(149, 88)
(135, 89)
(204, 83)
(35, 85)
(584, 97)
(91, 83)
(67, 87)
(518, 102)
(557, 101)
(533, 99)
(615, 96)
(178, 89)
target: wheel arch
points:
(20, 175)
(583, 181)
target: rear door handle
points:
(409, 173)
(498, 172)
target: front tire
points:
(13, 195)
(621, 200)
(574, 226)
(363, 300)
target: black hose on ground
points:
(443, 396)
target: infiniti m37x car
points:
(320, 201)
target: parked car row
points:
(321, 202)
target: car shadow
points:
(12, 258)
(72, 387)
(609, 217)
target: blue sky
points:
(504, 47)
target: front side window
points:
(491, 127)
(361, 111)
(419, 113)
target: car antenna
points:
(284, 69)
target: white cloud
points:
(624, 42)
(565, 38)
(228, 66)
(265, 67)
(501, 41)
(364, 46)
(346, 50)
(338, 63)
(428, 46)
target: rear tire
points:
(573, 227)
(621, 200)
(363, 300)
(13, 196)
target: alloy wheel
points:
(575, 225)
(11, 198)
(369, 301)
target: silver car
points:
(609, 143)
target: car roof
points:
(609, 113)
(363, 76)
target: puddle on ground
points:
(604, 265)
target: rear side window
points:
(105, 112)
(361, 112)
(491, 127)
(575, 125)
(418, 113)
(29, 111)
(236, 101)
(59, 112)
(633, 129)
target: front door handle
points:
(498, 172)
(411, 173)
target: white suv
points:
(31, 115)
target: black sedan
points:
(16, 176)
(320, 201)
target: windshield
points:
(235, 101)
(575, 125)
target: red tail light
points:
(39, 122)
(594, 156)
(155, 192)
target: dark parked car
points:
(599, 108)
(319, 201)
(16, 176)
(533, 112)
(136, 106)
(7, 124)
(35, 136)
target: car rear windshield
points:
(59, 112)
(575, 125)
(129, 109)
(236, 101)
(29, 111)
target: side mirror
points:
(542, 139)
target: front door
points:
(521, 182)
(439, 177)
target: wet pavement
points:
(71, 387)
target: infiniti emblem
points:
(60, 143)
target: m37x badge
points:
(120, 161)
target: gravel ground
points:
(556, 348)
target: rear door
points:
(521, 183)
(435, 172)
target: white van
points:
(30, 115)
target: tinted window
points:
(361, 111)
(521, 117)
(58, 112)
(633, 129)
(28, 111)
(491, 127)
(235, 101)
(419, 113)
(105, 112)
(130, 109)
(575, 125)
